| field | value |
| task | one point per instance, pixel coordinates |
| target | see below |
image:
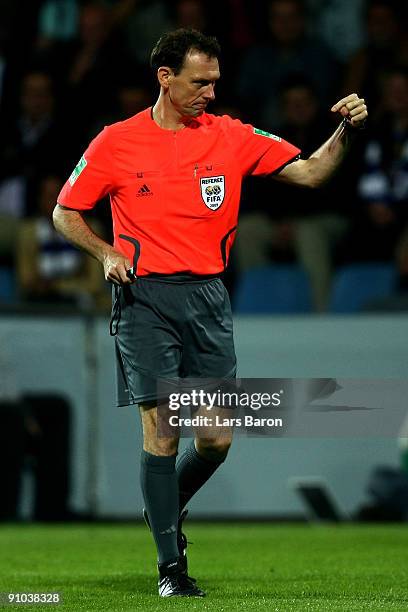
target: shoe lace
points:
(186, 581)
(180, 581)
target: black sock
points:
(160, 491)
(193, 470)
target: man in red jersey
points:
(173, 173)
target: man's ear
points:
(164, 75)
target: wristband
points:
(350, 128)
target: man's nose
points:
(210, 93)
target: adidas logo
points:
(165, 588)
(170, 530)
(144, 191)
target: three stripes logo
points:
(144, 191)
(165, 587)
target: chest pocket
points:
(209, 188)
(146, 187)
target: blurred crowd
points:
(69, 67)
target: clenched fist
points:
(352, 108)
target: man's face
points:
(382, 26)
(396, 94)
(93, 25)
(36, 95)
(49, 190)
(286, 22)
(192, 89)
(300, 106)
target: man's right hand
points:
(115, 266)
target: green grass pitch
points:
(260, 567)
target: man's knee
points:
(214, 449)
(162, 447)
(154, 443)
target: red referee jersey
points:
(174, 194)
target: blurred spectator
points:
(282, 221)
(288, 50)
(3, 64)
(8, 71)
(385, 47)
(228, 21)
(220, 108)
(146, 21)
(88, 68)
(50, 270)
(131, 98)
(239, 25)
(340, 25)
(57, 21)
(18, 27)
(381, 226)
(31, 145)
(191, 14)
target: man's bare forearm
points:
(321, 165)
(74, 228)
(324, 162)
(327, 159)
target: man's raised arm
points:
(321, 165)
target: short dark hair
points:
(172, 48)
(397, 70)
(296, 80)
(391, 5)
(300, 4)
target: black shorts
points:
(170, 327)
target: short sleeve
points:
(259, 152)
(92, 177)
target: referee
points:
(173, 173)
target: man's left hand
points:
(352, 108)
